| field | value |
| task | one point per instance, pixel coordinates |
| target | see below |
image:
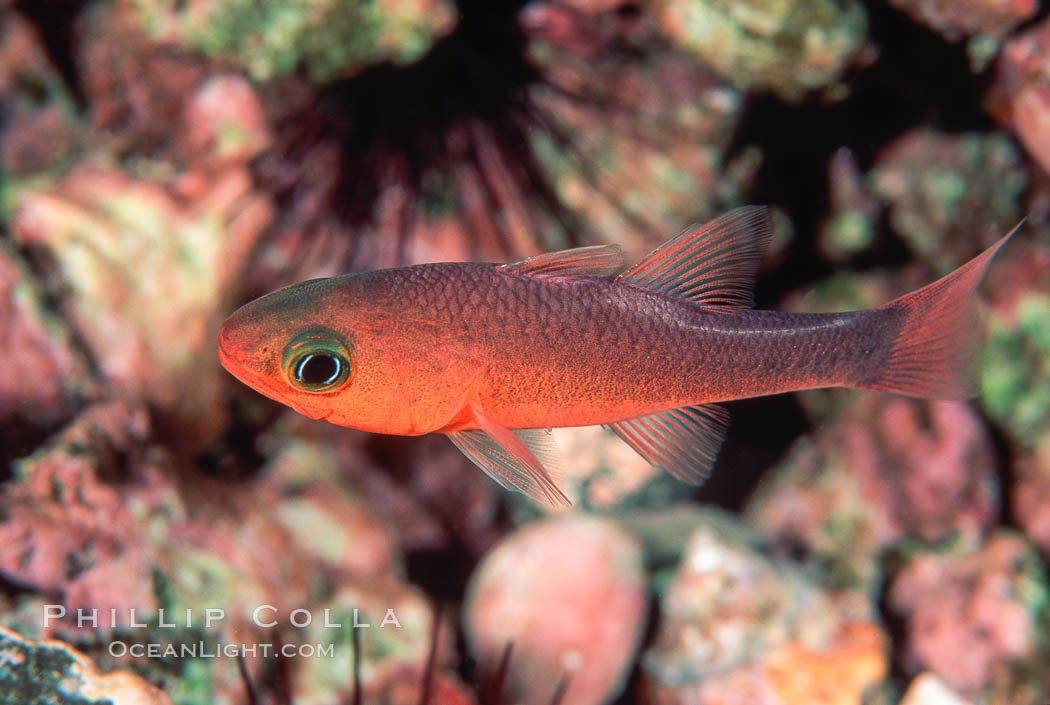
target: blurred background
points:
(164, 161)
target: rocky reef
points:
(170, 537)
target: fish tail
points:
(934, 348)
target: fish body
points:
(489, 353)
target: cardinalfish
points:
(494, 355)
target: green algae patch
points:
(53, 673)
(325, 39)
(1015, 374)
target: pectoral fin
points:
(510, 458)
(684, 442)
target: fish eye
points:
(317, 361)
(318, 369)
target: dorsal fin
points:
(593, 261)
(712, 264)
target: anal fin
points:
(684, 442)
(510, 458)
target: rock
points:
(224, 120)
(889, 469)
(928, 689)
(39, 126)
(738, 628)
(1030, 494)
(950, 196)
(54, 672)
(956, 20)
(569, 593)
(1022, 90)
(147, 279)
(854, 209)
(1015, 369)
(404, 689)
(136, 90)
(599, 470)
(394, 646)
(327, 40)
(45, 375)
(787, 48)
(976, 616)
(70, 533)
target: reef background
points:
(164, 161)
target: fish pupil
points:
(318, 369)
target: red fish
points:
(492, 355)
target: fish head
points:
(284, 346)
(340, 350)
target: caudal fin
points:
(935, 347)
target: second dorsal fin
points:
(594, 261)
(712, 264)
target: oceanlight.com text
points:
(119, 649)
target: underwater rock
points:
(890, 468)
(599, 470)
(146, 279)
(331, 523)
(569, 593)
(327, 40)
(39, 123)
(45, 376)
(97, 520)
(224, 122)
(394, 624)
(850, 227)
(955, 20)
(928, 689)
(738, 628)
(1021, 90)
(787, 48)
(976, 616)
(70, 533)
(54, 672)
(1015, 375)
(1030, 494)
(135, 90)
(405, 689)
(1015, 370)
(421, 490)
(950, 196)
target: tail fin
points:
(935, 347)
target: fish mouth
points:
(224, 357)
(242, 370)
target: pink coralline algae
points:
(569, 594)
(69, 533)
(890, 469)
(1022, 90)
(956, 19)
(977, 618)
(45, 374)
(740, 629)
(145, 276)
